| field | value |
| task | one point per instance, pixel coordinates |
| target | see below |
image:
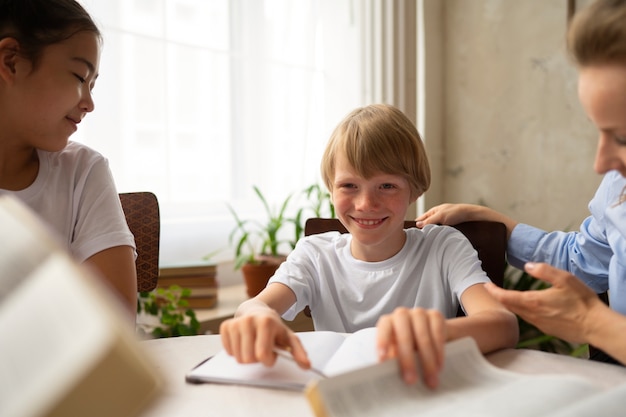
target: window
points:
(199, 100)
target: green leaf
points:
(152, 308)
(159, 333)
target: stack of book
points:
(200, 278)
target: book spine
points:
(188, 282)
(316, 401)
(201, 302)
(201, 281)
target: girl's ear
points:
(8, 58)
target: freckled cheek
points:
(341, 202)
(399, 204)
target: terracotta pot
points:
(257, 275)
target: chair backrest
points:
(488, 238)
(142, 215)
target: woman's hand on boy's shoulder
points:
(449, 214)
(453, 214)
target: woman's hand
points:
(449, 214)
(563, 310)
(452, 214)
(409, 333)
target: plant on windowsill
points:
(258, 248)
(319, 204)
(170, 311)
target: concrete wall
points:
(513, 136)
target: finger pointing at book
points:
(257, 330)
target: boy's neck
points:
(378, 252)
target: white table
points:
(175, 356)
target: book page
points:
(357, 351)
(606, 403)
(27, 244)
(469, 386)
(285, 374)
(41, 312)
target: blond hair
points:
(597, 34)
(378, 138)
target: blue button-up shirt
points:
(596, 254)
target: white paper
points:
(328, 351)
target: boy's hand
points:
(406, 331)
(253, 338)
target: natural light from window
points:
(199, 100)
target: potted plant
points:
(258, 245)
(166, 313)
(319, 205)
(258, 248)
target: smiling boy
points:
(408, 283)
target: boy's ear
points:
(8, 57)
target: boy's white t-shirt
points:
(74, 193)
(435, 266)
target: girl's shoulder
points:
(74, 154)
(77, 150)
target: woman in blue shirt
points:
(596, 254)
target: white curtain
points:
(199, 100)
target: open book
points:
(357, 385)
(66, 350)
(469, 386)
(330, 352)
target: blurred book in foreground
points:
(67, 349)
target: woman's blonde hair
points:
(378, 138)
(597, 34)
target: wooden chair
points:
(488, 238)
(142, 215)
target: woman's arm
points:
(608, 332)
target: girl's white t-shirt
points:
(74, 193)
